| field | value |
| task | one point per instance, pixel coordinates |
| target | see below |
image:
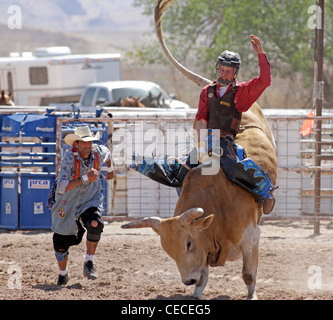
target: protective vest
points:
(78, 163)
(222, 113)
(52, 193)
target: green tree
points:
(199, 30)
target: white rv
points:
(53, 74)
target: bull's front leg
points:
(201, 284)
(250, 246)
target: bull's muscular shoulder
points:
(197, 189)
(196, 178)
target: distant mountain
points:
(77, 15)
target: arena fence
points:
(31, 147)
(162, 134)
(298, 165)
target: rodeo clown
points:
(79, 199)
(220, 110)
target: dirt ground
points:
(294, 264)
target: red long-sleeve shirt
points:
(247, 93)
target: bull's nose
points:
(190, 282)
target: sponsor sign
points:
(8, 183)
(38, 184)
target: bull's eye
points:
(189, 245)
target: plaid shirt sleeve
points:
(66, 171)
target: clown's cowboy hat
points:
(82, 134)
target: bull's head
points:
(183, 239)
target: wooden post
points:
(319, 87)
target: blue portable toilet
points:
(9, 201)
(35, 188)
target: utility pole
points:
(319, 94)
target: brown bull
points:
(209, 227)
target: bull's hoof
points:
(252, 297)
(196, 296)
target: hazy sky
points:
(66, 15)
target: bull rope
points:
(180, 161)
(187, 167)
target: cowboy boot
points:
(268, 205)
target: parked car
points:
(113, 93)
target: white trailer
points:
(53, 74)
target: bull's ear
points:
(203, 223)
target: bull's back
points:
(257, 140)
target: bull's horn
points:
(160, 8)
(151, 222)
(189, 215)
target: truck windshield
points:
(88, 97)
(122, 93)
